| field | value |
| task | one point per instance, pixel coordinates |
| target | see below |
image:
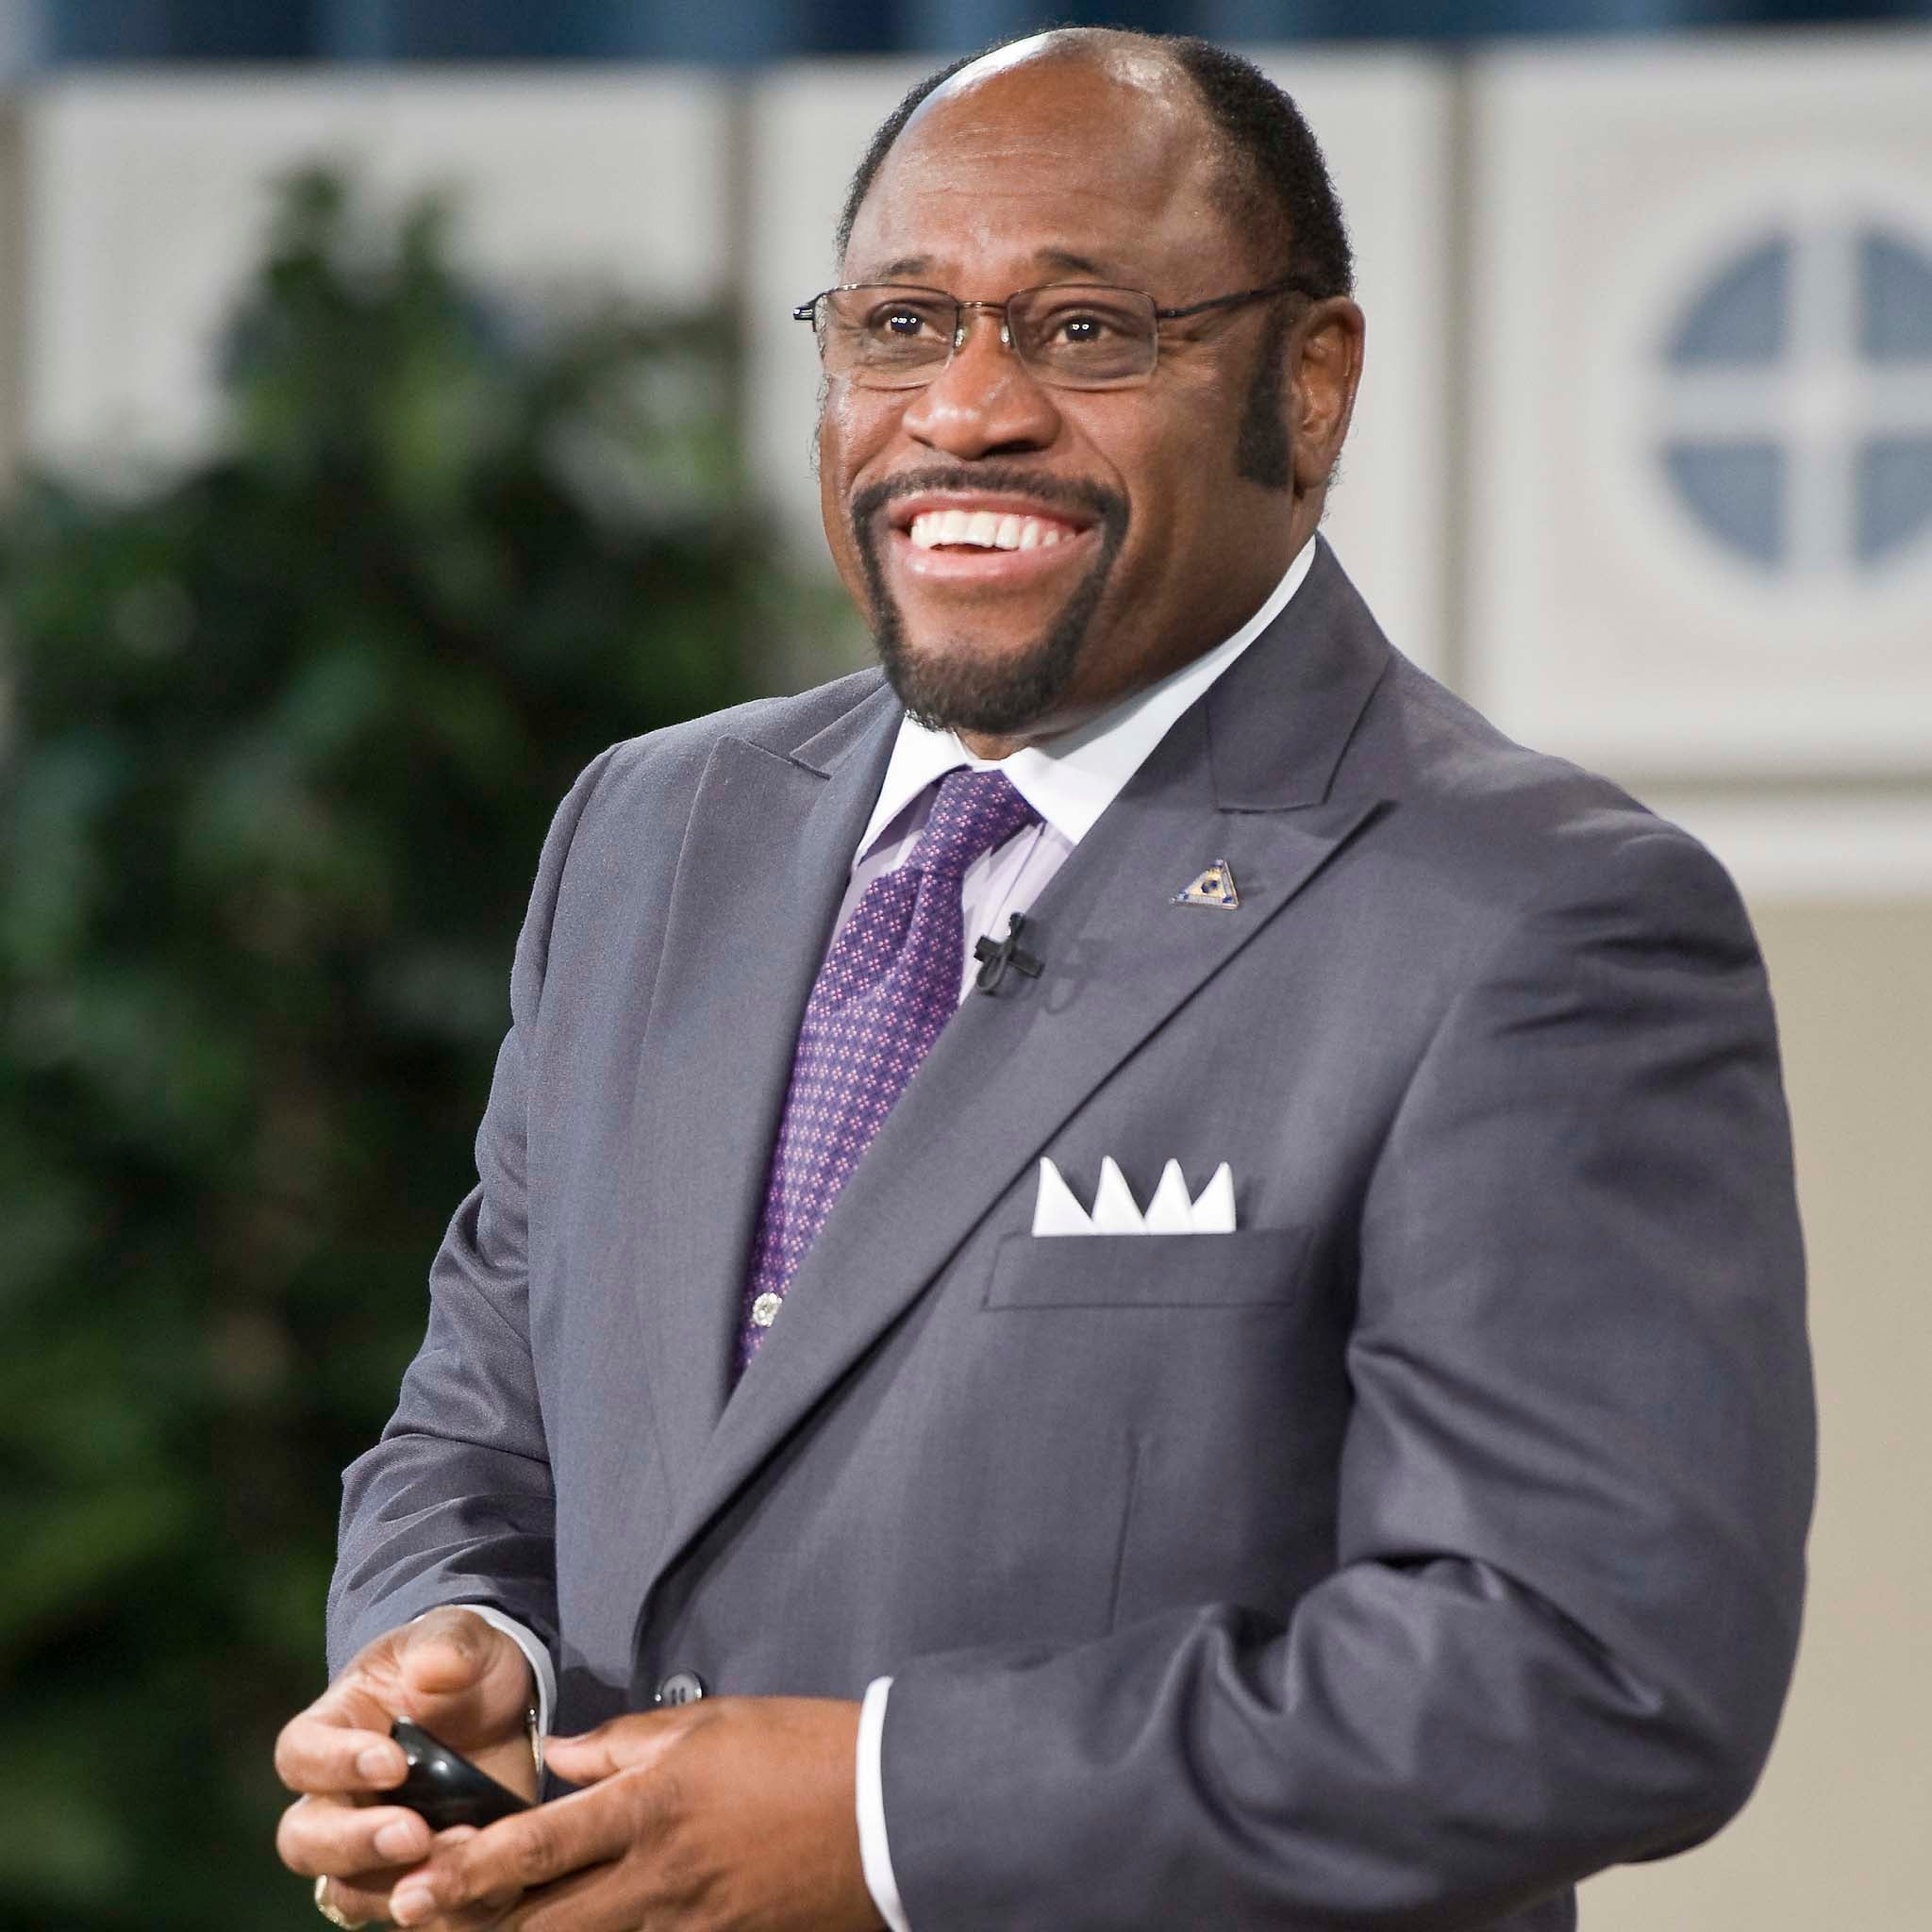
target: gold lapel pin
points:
(1215, 887)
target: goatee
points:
(955, 687)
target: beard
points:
(954, 687)
(1263, 453)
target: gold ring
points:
(332, 1913)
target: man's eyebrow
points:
(1075, 264)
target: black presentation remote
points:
(443, 1788)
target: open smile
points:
(985, 540)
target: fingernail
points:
(409, 1903)
(398, 1839)
(380, 1762)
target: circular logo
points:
(1794, 423)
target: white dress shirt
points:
(1069, 781)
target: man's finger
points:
(316, 1837)
(464, 1679)
(362, 1892)
(448, 1650)
(510, 1856)
(586, 1902)
(485, 1915)
(619, 1745)
(318, 1754)
(362, 1899)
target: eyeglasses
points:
(1072, 335)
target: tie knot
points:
(973, 812)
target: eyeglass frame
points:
(808, 311)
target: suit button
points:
(681, 1686)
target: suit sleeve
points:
(454, 1504)
(1573, 1495)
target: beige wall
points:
(1832, 1839)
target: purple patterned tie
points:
(888, 984)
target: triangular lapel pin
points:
(1215, 887)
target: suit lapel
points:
(764, 864)
(1120, 959)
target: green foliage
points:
(285, 736)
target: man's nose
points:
(985, 401)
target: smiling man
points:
(1134, 1275)
(1048, 501)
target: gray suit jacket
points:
(1429, 1542)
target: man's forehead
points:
(1078, 88)
(1064, 150)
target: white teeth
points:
(983, 529)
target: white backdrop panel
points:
(1701, 368)
(810, 123)
(1816, 847)
(1382, 120)
(147, 200)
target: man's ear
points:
(1326, 350)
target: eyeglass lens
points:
(1077, 335)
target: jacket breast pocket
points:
(1250, 1269)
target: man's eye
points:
(1074, 330)
(1081, 330)
(902, 324)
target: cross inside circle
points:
(1797, 401)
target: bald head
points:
(1269, 180)
(1139, 63)
(1072, 138)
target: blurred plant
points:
(284, 737)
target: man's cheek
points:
(846, 433)
(842, 540)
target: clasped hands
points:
(727, 1812)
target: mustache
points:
(1004, 479)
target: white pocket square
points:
(1057, 1212)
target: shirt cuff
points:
(874, 1853)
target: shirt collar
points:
(1071, 779)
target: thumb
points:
(622, 1745)
(463, 1679)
